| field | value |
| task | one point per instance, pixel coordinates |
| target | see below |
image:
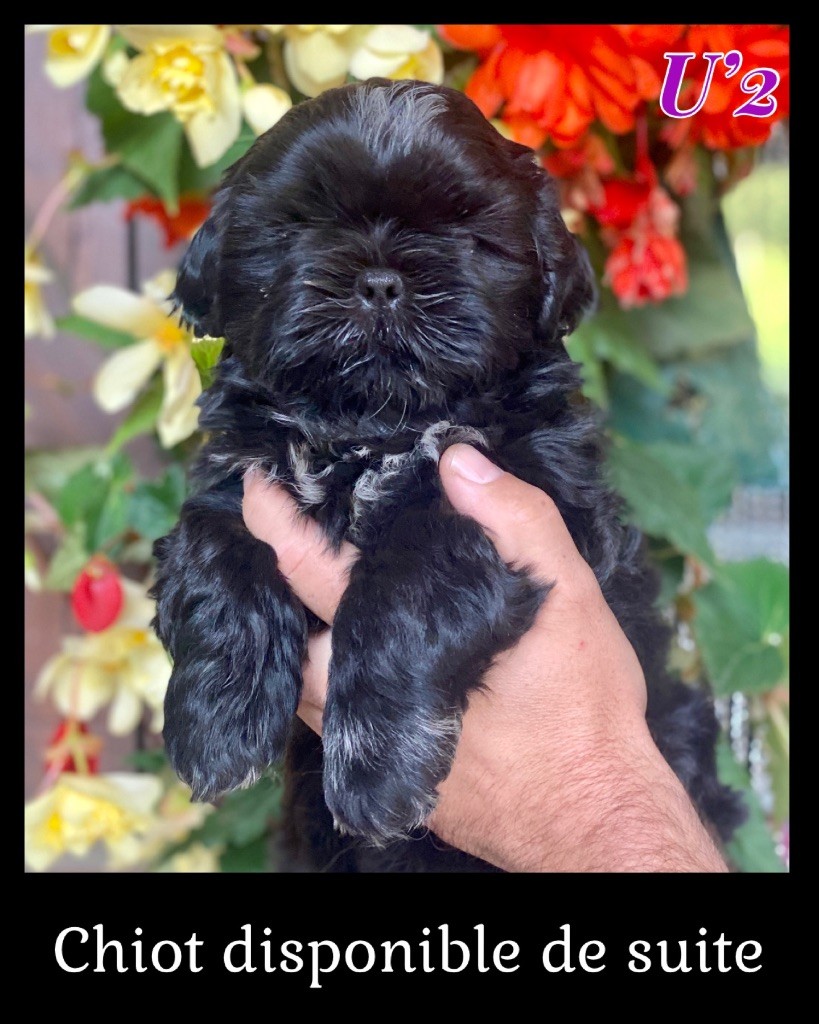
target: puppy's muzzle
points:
(379, 288)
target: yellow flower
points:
(176, 817)
(161, 341)
(37, 317)
(264, 105)
(124, 666)
(197, 858)
(184, 69)
(398, 51)
(80, 810)
(317, 57)
(73, 50)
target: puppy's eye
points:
(493, 246)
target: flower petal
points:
(366, 64)
(179, 416)
(139, 90)
(396, 39)
(73, 51)
(316, 61)
(125, 711)
(264, 105)
(120, 309)
(211, 134)
(123, 375)
(143, 36)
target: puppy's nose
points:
(379, 286)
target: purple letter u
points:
(672, 83)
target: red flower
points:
(177, 227)
(647, 268)
(715, 125)
(579, 171)
(623, 199)
(96, 598)
(72, 748)
(647, 262)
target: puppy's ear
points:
(569, 286)
(197, 284)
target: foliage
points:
(670, 356)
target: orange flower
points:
(648, 45)
(177, 227)
(557, 78)
(470, 37)
(715, 124)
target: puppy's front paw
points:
(223, 728)
(381, 773)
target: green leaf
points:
(253, 857)
(608, 337)
(711, 476)
(113, 517)
(151, 151)
(154, 506)
(142, 417)
(107, 183)
(108, 337)
(752, 848)
(153, 761)
(243, 817)
(48, 471)
(67, 560)
(206, 352)
(582, 351)
(91, 496)
(193, 178)
(149, 147)
(660, 502)
(741, 624)
(734, 412)
(719, 403)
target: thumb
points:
(522, 521)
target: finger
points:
(314, 692)
(315, 669)
(522, 521)
(317, 575)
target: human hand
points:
(555, 768)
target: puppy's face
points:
(384, 247)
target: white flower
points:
(161, 341)
(80, 810)
(264, 105)
(124, 666)
(37, 319)
(398, 51)
(197, 858)
(184, 69)
(73, 50)
(317, 57)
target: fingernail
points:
(471, 465)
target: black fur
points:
(347, 387)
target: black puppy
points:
(391, 276)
